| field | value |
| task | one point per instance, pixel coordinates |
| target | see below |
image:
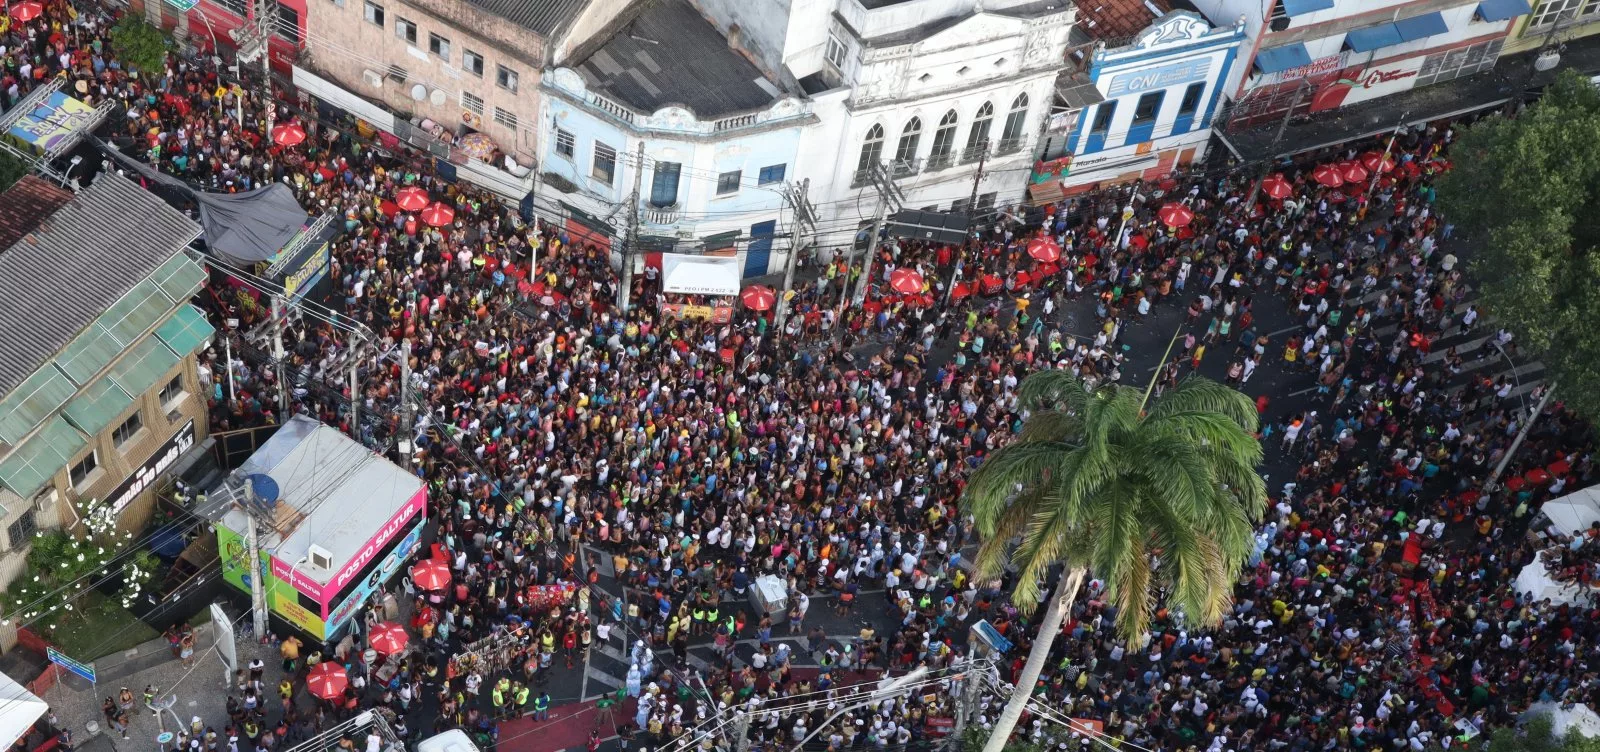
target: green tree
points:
(140, 45)
(1165, 498)
(11, 170)
(1521, 193)
(63, 566)
(1539, 736)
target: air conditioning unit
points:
(320, 557)
(372, 78)
(45, 501)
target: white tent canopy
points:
(1578, 717)
(700, 275)
(1536, 579)
(1573, 512)
(22, 708)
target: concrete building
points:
(1550, 21)
(1159, 81)
(719, 137)
(1311, 56)
(99, 391)
(928, 88)
(443, 74)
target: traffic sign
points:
(81, 669)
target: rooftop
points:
(1117, 20)
(671, 55)
(26, 205)
(543, 17)
(69, 269)
(335, 494)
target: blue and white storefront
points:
(709, 186)
(1161, 93)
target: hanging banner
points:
(52, 122)
(715, 314)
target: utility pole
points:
(407, 410)
(890, 199)
(278, 323)
(805, 225)
(966, 242)
(741, 729)
(1400, 126)
(1283, 127)
(629, 248)
(258, 590)
(355, 388)
(970, 687)
(1493, 484)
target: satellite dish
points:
(264, 491)
(437, 98)
(419, 92)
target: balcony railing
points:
(974, 153)
(1009, 146)
(940, 161)
(905, 167)
(661, 215)
(860, 178)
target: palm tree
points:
(1164, 499)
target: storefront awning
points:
(1502, 10)
(186, 330)
(1372, 37)
(1302, 7)
(1276, 59)
(1417, 27)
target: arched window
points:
(978, 135)
(871, 149)
(944, 140)
(1011, 137)
(906, 151)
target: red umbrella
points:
(1328, 175)
(388, 638)
(431, 574)
(27, 11)
(438, 214)
(1175, 215)
(907, 281)
(1377, 161)
(327, 680)
(1276, 186)
(412, 199)
(758, 297)
(288, 134)
(1044, 249)
(1353, 172)
(388, 208)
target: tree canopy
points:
(1522, 192)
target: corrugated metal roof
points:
(24, 205)
(58, 279)
(542, 17)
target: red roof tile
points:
(1117, 20)
(27, 205)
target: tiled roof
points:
(1117, 20)
(57, 279)
(25, 205)
(543, 17)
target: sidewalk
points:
(200, 689)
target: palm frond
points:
(1053, 389)
(1197, 394)
(1051, 425)
(996, 482)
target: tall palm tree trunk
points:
(1060, 604)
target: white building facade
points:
(1161, 93)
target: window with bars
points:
(288, 24)
(566, 143)
(238, 8)
(1554, 11)
(505, 118)
(605, 163)
(472, 102)
(398, 74)
(21, 532)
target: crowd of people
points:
(556, 431)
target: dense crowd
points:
(702, 457)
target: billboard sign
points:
(54, 121)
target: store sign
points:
(297, 579)
(715, 314)
(1371, 83)
(52, 121)
(390, 529)
(375, 579)
(1320, 66)
(1166, 76)
(302, 272)
(151, 470)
